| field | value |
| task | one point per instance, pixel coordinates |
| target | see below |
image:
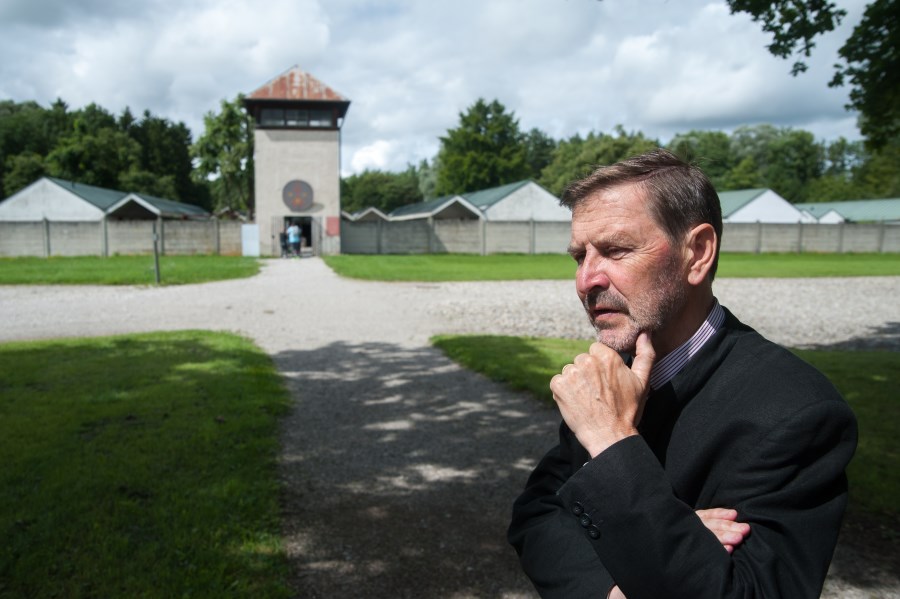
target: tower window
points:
(292, 117)
(320, 118)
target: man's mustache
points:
(605, 299)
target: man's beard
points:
(649, 313)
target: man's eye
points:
(616, 252)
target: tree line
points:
(91, 145)
(486, 149)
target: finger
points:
(720, 513)
(555, 383)
(644, 357)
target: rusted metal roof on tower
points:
(295, 84)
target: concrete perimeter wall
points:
(412, 237)
(494, 237)
(119, 237)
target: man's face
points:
(629, 278)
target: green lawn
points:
(868, 380)
(503, 267)
(140, 466)
(124, 270)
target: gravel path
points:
(400, 467)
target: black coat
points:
(746, 425)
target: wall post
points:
(379, 233)
(162, 235)
(430, 234)
(46, 238)
(104, 240)
(799, 236)
(759, 229)
(531, 240)
(483, 236)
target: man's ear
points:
(700, 247)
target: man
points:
(293, 233)
(696, 459)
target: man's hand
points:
(722, 523)
(600, 398)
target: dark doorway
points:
(307, 242)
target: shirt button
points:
(593, 532)
(585, 521)
(577, 509)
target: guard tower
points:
(297, 161)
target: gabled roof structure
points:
(59, 199)
(486, 198)
(732, 201)
(159, 207)
(454, 206)
(857, 210)
(100, 197)
(370, 214)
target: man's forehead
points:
(631, 195)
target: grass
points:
(868, 380)
(140, 466)
(453, 267)
(504, 267)
(124, 270)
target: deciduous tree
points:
(225, 153)
(485, 150)
(576, 157)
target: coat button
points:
(577, 509)
(593, 532)
(585, 521)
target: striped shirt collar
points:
(666, 369)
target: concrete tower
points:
(297, 160)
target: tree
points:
(576, 157)
(27, 131)
(785, 160)
(538, 151)
(485, 150)
(792, 23)
(427, 174)
(379, 189)
(22, 170)
(165, 152)
(710, 150)
(94, 156)
(745, 175)
(872, 65)
(224, 154)
(871, 55)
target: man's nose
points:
(591, 274)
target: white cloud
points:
(374, 156)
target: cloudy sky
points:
(410, 67)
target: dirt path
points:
(400, 467)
